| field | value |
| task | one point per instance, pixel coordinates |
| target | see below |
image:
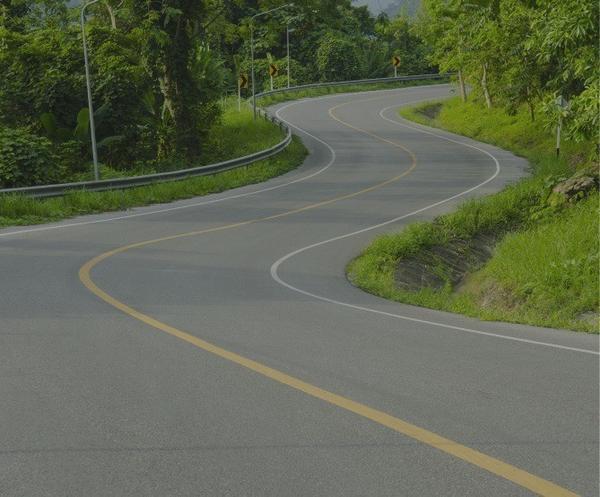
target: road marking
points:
(478, 459)
(220, 199)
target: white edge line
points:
(277, 264)
(230, 197)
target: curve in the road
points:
(210, 201)
(277, 264)
(495, 466)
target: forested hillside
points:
(160, 71)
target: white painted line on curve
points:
(276, 265)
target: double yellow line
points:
(520, 477)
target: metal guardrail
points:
(133, 181)
(415, 77)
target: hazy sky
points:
(376, 6)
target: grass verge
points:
(543, 270)
(236, 136)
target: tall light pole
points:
(252, 49)
(89, 91)
(287, 35)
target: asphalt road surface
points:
(213, 347)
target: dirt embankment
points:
(439, 265)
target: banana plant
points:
(81, 131)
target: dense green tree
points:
(338, 58)
(516, 52)
(564, 37)
(168, 31)
(399, 37)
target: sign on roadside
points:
(273, 70)
(396, 64)
(243, 81)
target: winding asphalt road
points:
(213, 347)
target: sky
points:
(392, 7)
(375, 6)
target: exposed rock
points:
(430, 111)
(576, 187)
(439, 265)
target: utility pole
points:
(287, 35)
(89, 91)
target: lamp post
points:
(89, 91)
(287, 35)
(252, 49)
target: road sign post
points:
(273, 71)
(562, 105)
(242, 83)
(396, 64)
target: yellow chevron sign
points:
(273, 70)
(395, 61)
(243, 81)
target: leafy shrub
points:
(25, 159)
(338, 59)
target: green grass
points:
(331, 90)
(544, 270)
(234, 136)
(549, 272)
(237, 135)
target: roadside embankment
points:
(528, 254)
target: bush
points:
(25, 159)
(339, 59)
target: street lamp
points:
(252, 48)
(89, 91)
(287, 34)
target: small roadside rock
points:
(576, 187)
(590, 317)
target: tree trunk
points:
(461, 85)
(169, 64)
(111, 13)
(168, 102)
(484, 86)
(182, 91)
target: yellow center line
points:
(495, 466)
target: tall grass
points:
(550, 270)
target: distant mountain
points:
(391, 7)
